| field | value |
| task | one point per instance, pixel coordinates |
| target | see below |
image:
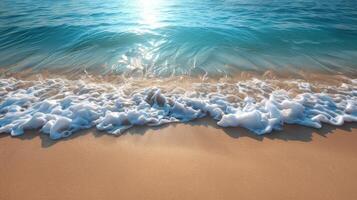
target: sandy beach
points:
(182, 161)
(178, 100)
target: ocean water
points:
(190, 37)
(112, 65)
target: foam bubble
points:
(60, 107)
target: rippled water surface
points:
(245, 63)
(178, 37)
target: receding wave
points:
(59, 107)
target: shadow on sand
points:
(289, 132)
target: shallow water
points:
(161, 38)
(112, 65)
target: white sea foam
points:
(60, 107)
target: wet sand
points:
(182, 161)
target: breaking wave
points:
(59, 107)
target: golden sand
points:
(182, 161)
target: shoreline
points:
(61, 107)
(312, 76)
(195, 160)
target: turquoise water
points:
(178, 37)
(150, 46)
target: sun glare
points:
(150, 12)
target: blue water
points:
(158, 38)
(178, 37)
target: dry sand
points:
(182, 161)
